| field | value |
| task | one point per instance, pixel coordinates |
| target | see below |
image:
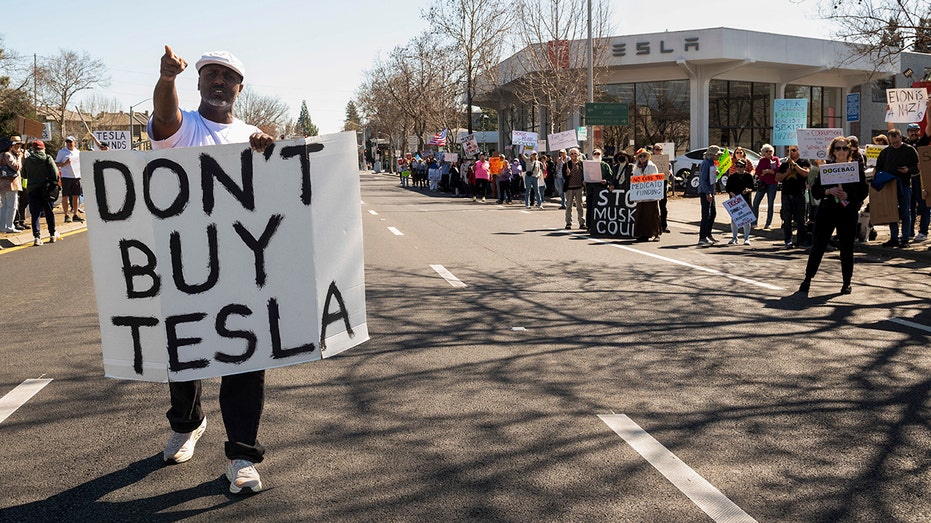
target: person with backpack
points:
(42, 181)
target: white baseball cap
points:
(224, 58)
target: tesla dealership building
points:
(717, 86)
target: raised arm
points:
(166, 114)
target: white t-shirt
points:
(196, 130)
(73, 169)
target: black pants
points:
(829, 219)
(663, 213)
(22, 203)
(39, 203)
(793, 208)
(242, 397)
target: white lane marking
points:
(911, 324)
(17, 397)
(395, 231)
(363, 202)
(704, 494)
(525, 211)
(448, 276)
(373, 213)
(518, 328)
(684, 264)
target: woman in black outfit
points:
(839, 209)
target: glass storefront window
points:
(659, 111)
(740, 113)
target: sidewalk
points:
(688, 210)
(8, 240)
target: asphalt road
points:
(498, 400)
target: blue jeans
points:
(532, 184)
(708, 214)
(770, 194)
(905, 201)
(7, 209)
(561, 191)
(919, 209)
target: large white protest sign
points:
(906, 104)
(524, 138)
(117, 140)
(591, 170)
(838, 173)
(564, 140)
(450, 157)
(813, 143)
(469, 145)
(212, 261)
(646, 187)
(740, 212)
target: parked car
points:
(685, 169)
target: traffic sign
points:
(606, 114)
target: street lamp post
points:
(132, 144)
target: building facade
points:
(717, 86)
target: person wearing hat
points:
(68, 161)
(11, 162)
(707, 177)
(647, 223)
(220, 77)
(41, 173)
(920, 213)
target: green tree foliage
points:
(353, 121)
(304, 125)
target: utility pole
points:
(591, 79)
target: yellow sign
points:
(723, 163)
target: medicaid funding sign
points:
(210, 261)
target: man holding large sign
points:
(159, 316)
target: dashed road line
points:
(395, 231)
(682, 263)
(17, 397)
(448, 276)
(373, 213)
(708, 498)
(911, 324)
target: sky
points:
(312, 50)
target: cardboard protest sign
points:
(662, 162)
(469, 145)
(591, 169)
(872, 153)
(211, 261)
(906, 104)
(564, 140)
(789, 114)
(739, 211)
(647, 187)
(118, 140)
(813, 143)
(884, 204)
(838, 173)
(524, 138)
(924, 168)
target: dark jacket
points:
(738, 182)
(40, 171)
(856, 194)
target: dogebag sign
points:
(211, 261)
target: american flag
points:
(438, 139)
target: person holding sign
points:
(901, 161)
(647, 225)
(740, 182)
(707, 177)
(242, 396)
(839, 209)
(574, 181)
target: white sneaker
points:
(37, 242)
(55, 237)
(180, 446)
(920, 237)
(732, 242)
(747, 241)
(241, 474)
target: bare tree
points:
(62, 76)
(551, 71)
(96, 104)
(268, 113)
(882, 27)
(476, 30)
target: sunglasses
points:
(793, 150)
(842, 148)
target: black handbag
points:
(54, 191)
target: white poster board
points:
(450, 157)
(524, 138)
(838, 173)
(739, 211)
(813, 143)
(906, 104)
(564, 140)
(591, 169)
(647, 187)
(469, 145)
(118, 140)
(872, 153)
(541, 145)
(210, 261)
